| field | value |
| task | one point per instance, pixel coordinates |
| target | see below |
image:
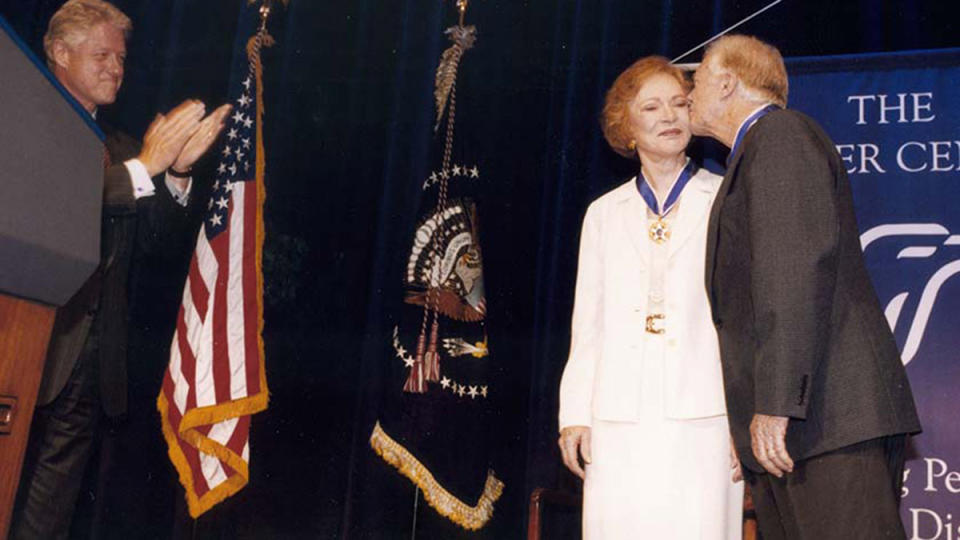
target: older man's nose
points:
(115, 66)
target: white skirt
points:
(661, 478)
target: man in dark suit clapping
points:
(85, 371)
(818, 400)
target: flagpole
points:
(768, 6)
(416, 501)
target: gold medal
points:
(659, 231)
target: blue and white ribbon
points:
(747, 124)
(650, 197)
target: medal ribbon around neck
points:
(659, 232)
(747, 124)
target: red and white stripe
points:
(215, 355)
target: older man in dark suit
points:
(148, 186)
(818, 400)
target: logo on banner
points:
(927, 239)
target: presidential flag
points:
(437, 420)
(216, 378)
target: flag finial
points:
(462, 6)
(264, 14)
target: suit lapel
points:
(633, 220)
(715, 219)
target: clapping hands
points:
(178, 138)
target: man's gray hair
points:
(76, 17)
(758, 65)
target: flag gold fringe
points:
(233, 409)
(469, 517)
(199, 505)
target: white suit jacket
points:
(602, 375)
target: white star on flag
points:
(222, 202)
(216, 220)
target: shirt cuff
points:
(139, 178)
(182, 197)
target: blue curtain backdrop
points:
(349, 116)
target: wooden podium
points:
(51, 185)
(24, 331)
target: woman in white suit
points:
(642, 412)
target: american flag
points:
(216, 377)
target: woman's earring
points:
(632, 145)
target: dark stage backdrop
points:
(348, 120)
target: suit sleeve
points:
(576, 386)
(118, 198)
(163, 224)
(793, 234)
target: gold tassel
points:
(432, 358)
(415, 382)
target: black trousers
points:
(847, 494)
(59, 447)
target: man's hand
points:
(768, 440)
(167, 135)
(735, 466)
(200, 142)
(575, 442)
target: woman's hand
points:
(575, 443)
(735, 463)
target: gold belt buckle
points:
(655, 323)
